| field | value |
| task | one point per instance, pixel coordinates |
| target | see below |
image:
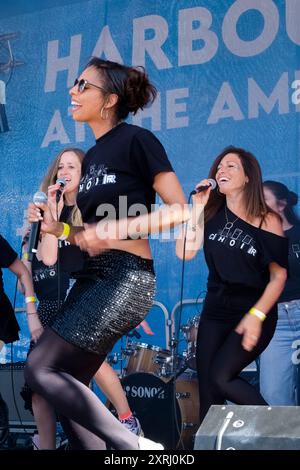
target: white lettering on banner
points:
(107, 47)
(193, 25)
(279, 94)
(56, 131)
(173, 107)
(225, 106)
(152, 46)
(296, 94)
(292, 20)
(57, 64)
(188, 32)
(243, 48)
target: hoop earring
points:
(104, 117)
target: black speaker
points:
(239, 427)
(12, 378)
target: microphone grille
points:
(212, 183)
(39, 197)
(61, 181)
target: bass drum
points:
(149, 397)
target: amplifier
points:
(12, 379)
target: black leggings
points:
(220, 360)
(61, 372)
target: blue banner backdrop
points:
(227, 72)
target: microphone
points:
(211, 184)
(34, 236)
(62, 183)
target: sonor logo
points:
(144, 392)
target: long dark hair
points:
(253, 193)
(130, 84)
(282, 193)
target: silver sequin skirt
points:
(109, 298)
(47, 309)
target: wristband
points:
(25, 256)
(65, 233)
(257, 313)
(30, 299)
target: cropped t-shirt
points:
(123, 162)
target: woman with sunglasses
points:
(67, 166)
(116, 287)
(246, 254)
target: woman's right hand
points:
(35, 326)
(52, 191)
(202, 198)
(47, 219)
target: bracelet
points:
(65, 233)
(30, 299)
(32, 313)
(25, 256)
(254, 311)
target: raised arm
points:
(194, 229)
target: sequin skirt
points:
(109, 298)
(47, 309)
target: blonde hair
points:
(51, 177)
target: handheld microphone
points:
(62, 183)
(34, 236)
(211, 184)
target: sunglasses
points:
(82, 84)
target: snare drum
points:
(146, 358)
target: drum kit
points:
(162, 389)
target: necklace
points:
(228, 225)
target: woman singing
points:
(246, 255)
(115, 290)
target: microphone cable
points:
(175, 341)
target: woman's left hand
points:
(88, 240)
(250, 327)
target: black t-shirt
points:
(123, 162)
(292, 286)
(238, 258)
(44, 277)
(7, 257)
(71, 257)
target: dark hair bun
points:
(292, 198)
(138, 90)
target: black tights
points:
(61, 372)
(220, 360)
